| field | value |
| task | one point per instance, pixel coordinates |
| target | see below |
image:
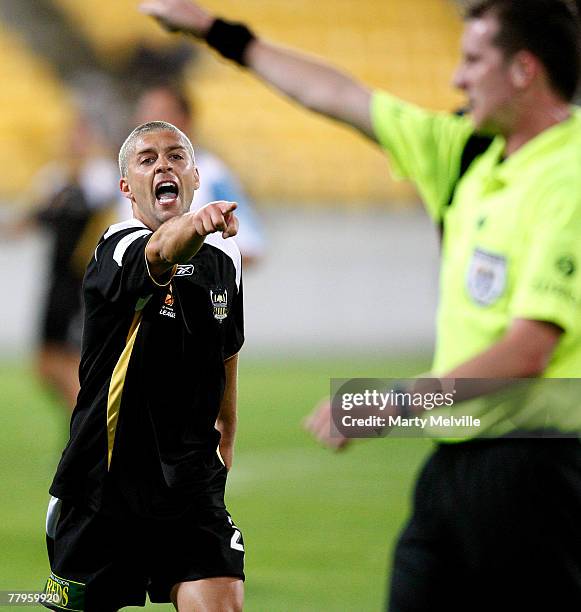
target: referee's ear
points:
(125, 188)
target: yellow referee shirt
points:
(512, 239)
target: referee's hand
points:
(179, 16)
(215, 217)
(319, 423)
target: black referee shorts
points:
(100, 563)
(496, 526)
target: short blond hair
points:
(146, 128)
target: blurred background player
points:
(73, 202)
(167, 101)
(507, 309)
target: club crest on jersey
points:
(486, 279)
(219, 299)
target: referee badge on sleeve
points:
(486, 280)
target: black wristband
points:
(230, 39)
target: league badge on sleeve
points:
(167, 309)
(219, 299)
(486, 280)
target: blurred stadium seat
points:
(33, 115)
(114, 26)
(286, 154)
(282, 153)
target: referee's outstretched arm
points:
(307, 80)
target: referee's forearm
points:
(523, 352)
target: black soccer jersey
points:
(152, 370)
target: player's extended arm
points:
(227, 417)
(180, 238)
(311, 82)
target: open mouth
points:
(166, 192)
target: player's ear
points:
(196, 178)
(125, 189)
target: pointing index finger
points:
(228, 207)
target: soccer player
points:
(495, 523)
(75, 199)
(138, 497)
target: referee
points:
(495, 524)
(138, 497)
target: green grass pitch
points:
(319, 527)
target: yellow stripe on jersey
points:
(116, 385)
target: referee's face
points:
(161, 178)
(486, 76)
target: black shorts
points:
(100, 563)
(496, 526)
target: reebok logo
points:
(185, 270)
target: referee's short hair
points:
(549, 29)
(146, 128)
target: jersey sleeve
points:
(423, 146)
(548, 287)
(235, 333)
(119, 268)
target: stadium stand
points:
(282, 153)
(113, 26)
(33, 115)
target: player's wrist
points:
(229, 39)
